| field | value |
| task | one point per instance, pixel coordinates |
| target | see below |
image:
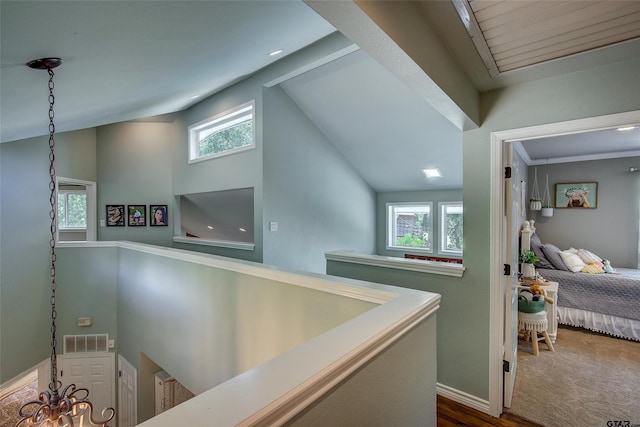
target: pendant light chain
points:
(52, 242)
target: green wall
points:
(596, 92)
(320, 203)
(24, 247)
(607, 230)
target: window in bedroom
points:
(72, 209)
(451, 227)
(227, 133)
(409, 226)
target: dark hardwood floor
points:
(451, 413)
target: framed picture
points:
(158, 215)
(577, 195)
(137, 215)
(115, 215)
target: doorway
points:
(497, 217)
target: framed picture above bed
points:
(582, 195)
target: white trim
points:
(217, 243)
(391, 227)
(496, 214)
(442, 233)
(463, 398)
(423, 266)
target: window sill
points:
(217, 243)
(433, 267)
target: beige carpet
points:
(589, 380)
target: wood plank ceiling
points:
(518, 34)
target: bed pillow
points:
(572, 261)
(588, 256)
(593, 268)
(552, 253)
(536, 247)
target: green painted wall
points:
(606, 230)
(24, 247)
(134, 162)
(320, 203)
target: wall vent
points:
(96, 343)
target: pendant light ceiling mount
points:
(44, 63)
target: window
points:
(409, 226)
(227, 133)
(72, 209)
(451, 227)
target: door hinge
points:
(506, 366)
(507, 269)
(507, 172)
(61, 373)
(120, 373)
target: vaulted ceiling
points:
(127, 60)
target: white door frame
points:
(496, 214)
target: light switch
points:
(273, 226)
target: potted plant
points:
(535, 203)
(527, 259)
(547, 210)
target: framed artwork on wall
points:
(137, 215)
(582, 195)
(158, 215)
(115, 215)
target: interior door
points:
(127, 393)
(513, 204)
(92, 371)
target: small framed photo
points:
(137, 215)
(582, 195)
(158, 215)
(115, 215)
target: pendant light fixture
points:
(71, 406)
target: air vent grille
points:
(96, 343)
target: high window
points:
(409, 226)
(72, 209)
(451, 227)
(229, 132)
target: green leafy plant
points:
(535, 199)
(527, 256)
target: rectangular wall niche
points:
(218, 215)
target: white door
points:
(94, 371)
(127, 393)
(512, 202)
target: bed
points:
(603, 302)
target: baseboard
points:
(463, 398)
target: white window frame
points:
(392, 229)
(64, 194)
(442, 207)
(226, 119)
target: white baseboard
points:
(463, 398)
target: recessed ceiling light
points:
(194, 96)
(209, 227)
(242, 229)
(625, 128)
(275, 52)
(432, 173)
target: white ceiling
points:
(126, 60)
